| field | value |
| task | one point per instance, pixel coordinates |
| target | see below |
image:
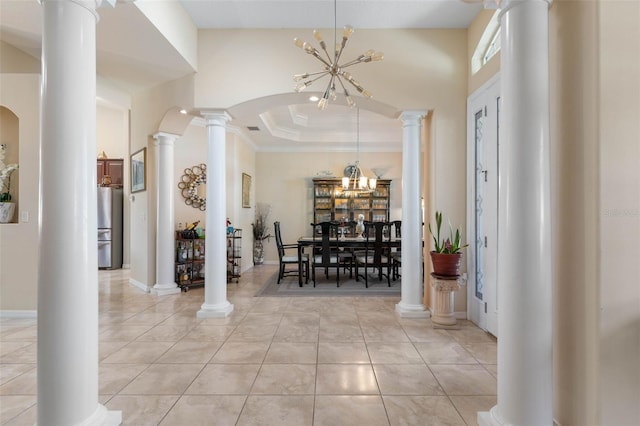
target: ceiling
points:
(126, 59)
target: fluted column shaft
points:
(165, 227)
(67, 384)
(215, 288)
(411, 301)
(524, 271)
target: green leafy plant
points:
(453, 244)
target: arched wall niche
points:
(10, 137)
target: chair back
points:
(325, 243)
(376, 246)
(276, 231)
(397, 226)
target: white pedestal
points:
(443, 313)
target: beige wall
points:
(285, 182)
(619, 213)
(13, 60)
(595, 64)
(20, 93)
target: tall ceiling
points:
(134, 55)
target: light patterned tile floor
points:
(274, 361)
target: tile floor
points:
(275, 361)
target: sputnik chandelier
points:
(332, 67)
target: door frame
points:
(481, 312)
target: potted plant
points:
(260, 232)
(447, 253)
(6, 206)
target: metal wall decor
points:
(192, 184)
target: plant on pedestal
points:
(447, 253)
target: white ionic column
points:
(67, 384)
(524, 271)
(215, 287)
(411, 300)
(165, 227)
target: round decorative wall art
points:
(193, 185)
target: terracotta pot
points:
(446, 265)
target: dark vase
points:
(446, 265)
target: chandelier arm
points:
(309, 74)
(339, 52)
(353, 62)
(318, 77)
(314, 52)
(324, 49)
(355, 84)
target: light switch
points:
(24, 216)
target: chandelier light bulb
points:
(317, 35)
(322, 104)
(378, 56)
(348, 30)
(350, 101)
(298, 42)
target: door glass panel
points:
(478, 204)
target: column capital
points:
(216, 117)
(412, 116)
(505, 5)
(90, 5)
(164, 137)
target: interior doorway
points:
(483, 124)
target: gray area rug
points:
(327, 287)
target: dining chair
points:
(289, 259)
(396, 255)
(376, 253)
(325, 250)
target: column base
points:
(103, 417)
(215, 311)
(489, 418)
(406, 310)
(165, 289)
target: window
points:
(488, 45)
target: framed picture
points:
(246, 190)
(139, 171)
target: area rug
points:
(327, 287)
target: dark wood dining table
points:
(345, 242)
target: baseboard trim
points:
(18, 314)
(139, 285)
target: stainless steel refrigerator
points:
(109, 228)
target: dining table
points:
(341, 243)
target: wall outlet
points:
(24, 216)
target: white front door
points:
(483, 115)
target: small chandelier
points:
(357, 182)
(331, 66)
